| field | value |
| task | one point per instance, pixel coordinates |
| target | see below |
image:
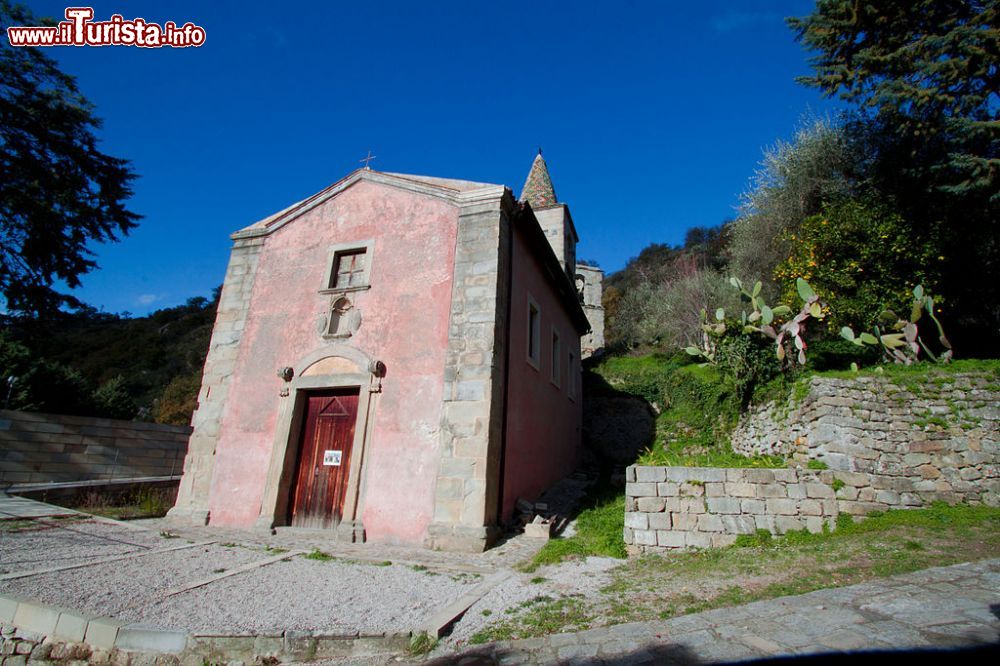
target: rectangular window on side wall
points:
(534, 333)
(556, 358)
(571, 375)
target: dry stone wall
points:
(886, 445)
(936, 436)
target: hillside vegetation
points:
(96, 364)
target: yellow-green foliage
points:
(862, 258)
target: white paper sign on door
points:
(332, 458)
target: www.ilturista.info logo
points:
(79, 29)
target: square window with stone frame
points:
(349, 267)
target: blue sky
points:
(652, 115)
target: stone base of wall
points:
(685, 507)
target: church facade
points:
(394, 359)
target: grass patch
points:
(598, 532)
(817, 464)
(274, 550)
(422, 643)
(318, 555)
(16, 525)
(141, 503)
(761, 566)
(538, 617)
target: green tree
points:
(924, 77)
(932, 66)
(58, 192)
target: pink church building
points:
(395, 359)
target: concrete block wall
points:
(51, 448)
(682, 507)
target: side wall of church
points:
(403, 323)
(544, 402)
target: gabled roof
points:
(455, 191)
(538, 190)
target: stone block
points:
(683, 521)
(890, 497)
(796, 491)
(689, 489)
(739, 524)
(783, 507)
(8, 607)
(692, 505)
(698, 540)
(644, 474)
(848, 493)
(670, 539)
(36, 617)
(644, 538)
(671, 504)
(810, 508)
(650, 504)
(788, 523)
(916, 459)
(786, 475)
(814, 524)
(752, 506)
(660, 521)
(71, 626)
(715, 490)
(775, 490)
(628, 535)
(855, 479)
(859, 508)
(630, 474)
(723, 540)
(637, 521)
(723, 505)
(764, 523)
(145, 639)
(740, 489)
(708, 522)
(707, 474)
(820, 491)
(668, 489)
(678, 474)
(638, 489)
(759, 475)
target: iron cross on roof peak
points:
(368, 159)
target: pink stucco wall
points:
(405, 325)
(543, 422)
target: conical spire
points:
(538, 190)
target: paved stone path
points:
(954, 607)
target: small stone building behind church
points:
(395, 359)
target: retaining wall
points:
(50, 448)
(887, 445)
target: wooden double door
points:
(324, 462)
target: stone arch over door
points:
(334, 366)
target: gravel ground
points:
(53, 543)
(113, 588)
(584, 577)
(304, 594)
